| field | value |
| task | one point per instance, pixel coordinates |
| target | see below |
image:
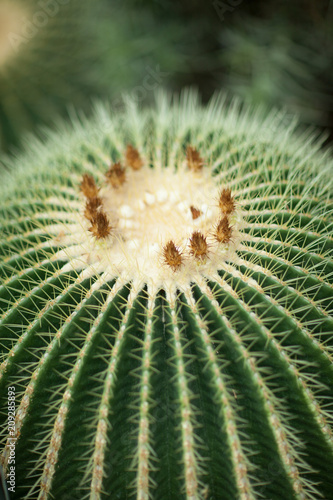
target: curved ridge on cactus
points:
(166, 308)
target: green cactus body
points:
(165, 308)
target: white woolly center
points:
(151, 208)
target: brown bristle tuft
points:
(223, 230)
(226, 201)
(198, 245)
(88, 186)
(195, 212)
(172, 256)
(91, 207)
(100, 225)
(133, 158)
(194, 160)
(116, 175)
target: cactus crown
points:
(166, 307)
(137, 216)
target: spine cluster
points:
(198, 246)
(116, 176)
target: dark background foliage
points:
(278, 53)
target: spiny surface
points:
(187, 352)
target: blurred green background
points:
(60, 54)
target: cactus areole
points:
(166, 308)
